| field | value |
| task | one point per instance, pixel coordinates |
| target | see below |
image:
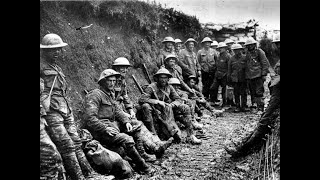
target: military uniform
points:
(220, 78)
(207, 62)
(51, 166)
(61, 126)
(168, 95)
(236, 75)
(163, 54)
(189, 59)
(256, 67)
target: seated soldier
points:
(108, 123)
(201, 102)
(162, 96)
(175, 83)
(121, 65)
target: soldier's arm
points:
(147, 97)
(126, 100)
(92, 104)
(120, 114)
(264, 62)
(176, 99)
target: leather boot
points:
(72, 166)
(237, 109)
(140, 147)
(84, 164)
(160, 149)
(196, 125)
(191, 138)
(141, 166)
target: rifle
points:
(157, 113)
(147, 73)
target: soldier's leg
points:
(259, 91)
(50, 159)
(206, 84)
(64, 143)
(72, 131)
(223, 83)
(187, 122)
(243, 95)
(237, 90)
(147, 118)
(251, 91)
(214, 90)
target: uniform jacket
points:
(236, 69)
(176, 74)
(121, 93)
(102, 111)
(222, 65)
(169, 95)
(163, 54)
(256, 64)
(190, 60)
(206, 59)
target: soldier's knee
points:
(126, 140)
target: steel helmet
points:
(214, 43)
(177, 41)
(168, 39)
(52, 41)
(221, 45)
(276, 38)
(228, 41)
(173, 81)
(162, 70)
(107, 73)
(236, 46)
(121, 61)
(206, 39)
(241, 41)
(191, 40)
(170, 56)
(250, 40)
(192, 77)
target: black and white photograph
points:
(160, 90)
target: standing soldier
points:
(61, 126)
(189, 58)
(206, 58)
(236, 75)
(256, 71)
(167, 49)
(161, 96)
(108, 123)
(229, 43)
(177, 46)
(220, 77)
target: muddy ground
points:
(209, 160)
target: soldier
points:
(175, 83)
(51, 166)
(189, 58)
(59, 116)
(121, 65)
(266, 121)
(108, 123)
(161, 96)
(229, 43)
(167, 49)
(256, 71)
(220, 78)
(206, 58)
(236, 75)
(214, 46)
(177, 46)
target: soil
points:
(209, 160)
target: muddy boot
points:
(147, 157)
(196, 125)
(237, 109)
(159, 150)
(191, 138)
(141, 166)
(72, 166)
(84, 164)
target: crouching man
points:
(161, 95)
(108, 123)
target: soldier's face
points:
(163, 80)
(178, 46)
(176, 86)
(53, 54)
(237, 51)
(171, 63)
(192, 82)
(214, 47)
(190, 46)
(169, 45)
(251, 47)
(122, 70)
(206, 44)
(110, 82)
(223, 49)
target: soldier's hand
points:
(132, 114)
(129, 127)
(112, 131)
(162, 104)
